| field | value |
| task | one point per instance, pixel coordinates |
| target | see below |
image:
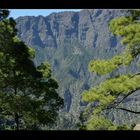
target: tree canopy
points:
(28, 93)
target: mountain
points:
(69, 40)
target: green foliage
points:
(123, 127)
(129, 29)
(3, 14)
(98, 123)
(107, 93)
(28, 93)
(45, 69)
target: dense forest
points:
(70, 71)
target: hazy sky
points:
(35, 12)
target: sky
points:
(36, 12)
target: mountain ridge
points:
(69, 40)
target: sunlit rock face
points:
(137, 127)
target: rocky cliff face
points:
(55, 29)
(69, 40)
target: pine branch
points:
(119, 102)
(131, 111)
(135, 74)
(9, 114)
(116, 104)
(6, 113)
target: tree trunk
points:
(16, 114)
(17, 121)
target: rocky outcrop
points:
(51, 31)
(137, 127)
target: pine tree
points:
(112, 92)
(28, 96)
